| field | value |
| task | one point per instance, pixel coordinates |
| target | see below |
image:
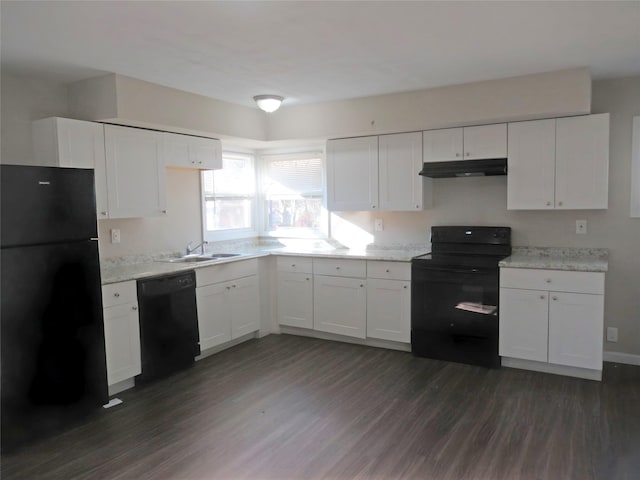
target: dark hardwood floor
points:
(286, 407)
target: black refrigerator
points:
(52, 334)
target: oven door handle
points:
(468, 270)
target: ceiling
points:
(316, 51)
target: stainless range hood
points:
(465, 168)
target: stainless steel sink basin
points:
(207, 257)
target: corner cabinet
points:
(186, 151)
(228, 302)
(560, 164)
(553, 317)
(136, 176)
(121, 331)
(377, 173)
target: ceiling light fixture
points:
(268, 103)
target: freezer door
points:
(46, 205)
(52, 339)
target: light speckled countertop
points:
(552, 258)
(144, 266)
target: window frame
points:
(234, 233)
(308, 153)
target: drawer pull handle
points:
(293, 264)
(134, 308)
(404, 286)
(228, 287)
(362, 284)
(116, 294)
(233, 286)
(555, 298)
(387, 270)
(337, 268)
(548, 280)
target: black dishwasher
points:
(168, 325)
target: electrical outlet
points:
(379, 226)
(115, 235)
(612, 334)
(581, 226)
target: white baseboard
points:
(369, 342)
(619, 357)
(552, 368)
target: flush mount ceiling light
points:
(268, 103)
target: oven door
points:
(454, 313)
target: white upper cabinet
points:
(63, 142)
(136, 172)
(559, 164)
(399, 161)
(531, 165)
(192, 152)
(582, 162)
(442, 145)
(377, 173)
(468, 143)
(352, 174)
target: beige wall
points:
(24, 100)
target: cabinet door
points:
(214, 315)
(485, 141)
(176, 149)
(442, 145)
(339, 305)
(352, 174)
(576, 323)
(582, 162)
(206, 153)
(389, 310)
(122, 342)
(400, 160)
(135, 172)
(243, 298)
(295, 299)
(524, 324)
(531, 165)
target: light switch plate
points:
(379, 226)
(612, 334)
(115, 235)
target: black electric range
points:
(454, 295)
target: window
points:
(229, 199)
(291, 189)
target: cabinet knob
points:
(559, 204)
(468, 154)
(135, 307)
(457, 154)
(417, 206)
(548, 204)
(548, 280)
(554, 298)
(233, 286)
(387, 270)
(228, 287)
(308, 279)
(542, 297)
(104, 214)
(116, 294)
(164, 211)
(362, 284)
(293, 264)
(404, 286)
(373, 206)
(337, 268)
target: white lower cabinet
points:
(389, 301)
(294, 291)
(554, 317)
(228, 302)
(340, 305)
(121, 331)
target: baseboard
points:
(619, 357)
(369, 342)
(551, 368)
(224, 346)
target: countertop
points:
(552, 258)
(145, 266)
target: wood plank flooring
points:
(286, 407)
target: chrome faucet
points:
(191, 249)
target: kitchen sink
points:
(207, 257)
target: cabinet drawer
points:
(294, 264)
(340, 267)
(119, 293)
(226, 272)
(553, 280)
(389, 270)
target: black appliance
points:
(52, 334)
(465, 168)
(168, 325)
(454, 295)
